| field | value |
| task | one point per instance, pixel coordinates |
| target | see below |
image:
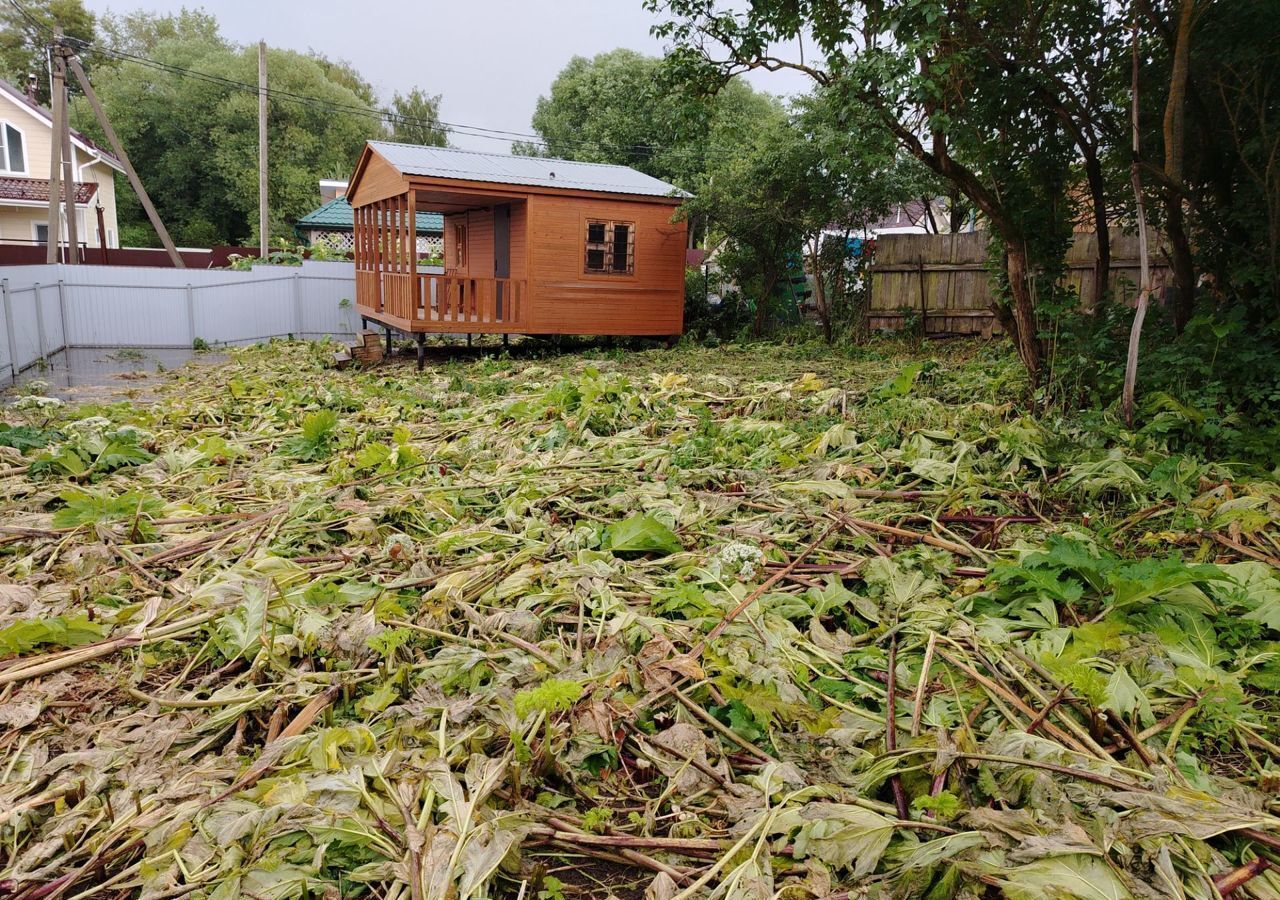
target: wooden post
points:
(56, 95)
(60, 54)
(411, 229)
(102, 236)
(174, 256)
(264, 238)
(380, 211)
(924, 302)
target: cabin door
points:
(501, 248)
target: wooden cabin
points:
(531, 245)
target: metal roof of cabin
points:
(538, 171)
(337, 214)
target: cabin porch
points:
(472, 293)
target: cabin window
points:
(459, 246)
(611, 247)
(13, 156)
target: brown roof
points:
(37, 189)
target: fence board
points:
(944, 278)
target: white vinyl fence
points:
(55, 307)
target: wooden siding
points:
(519, 240)
(479, 258)
(375, 179)
(568, 300)
(549, 292)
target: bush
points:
(709, 322)
(1213, 390)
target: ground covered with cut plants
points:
(743, 623)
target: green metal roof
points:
(336, 215)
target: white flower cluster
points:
(398, 546)
(40, 403)
(740, 558)
(90, 424)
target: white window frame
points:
(5, 124)
(35, 233)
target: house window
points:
(40, 231)
(611, 247)
(13, 154)
(459, 246)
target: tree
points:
(415, 119)
(745, 198)
(936, 74)
(193, 139)
(618, 108)
(851, 174)
(24, 43)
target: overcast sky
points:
(490, 59)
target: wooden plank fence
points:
(944, 279)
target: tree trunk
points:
(1097, 190)
(1174, 145)
(955, 212)
(819, 287)
(1144, 294)
(1184, 270)
(769, 281)
(1022, 314)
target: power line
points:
(380, 115)
(390, 115)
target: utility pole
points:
(263, 233)
(118, 148)
(55, 156)
(60, 54)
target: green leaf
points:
(383, 696)
(642, 533)
(847, 837)
(25, 635)
(1074, 876)
(317, 426)
(1124, 696)
(86, 508)
(945, 805)
(27, 437)
(553, 695)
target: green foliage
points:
(26, 635)
(1214, 389)
(642, 533)
(553, 695)
(196, 141)
(597, 819)
(91, 450)
(616, 108)
(385, 643)
(316, 438)
(27, 437)
(552, 888)
(415, 119)
(23, 43)
(944, 805)
(80, 507)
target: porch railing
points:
(446, 302)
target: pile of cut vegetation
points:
(729, 623)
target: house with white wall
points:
(26, 141)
